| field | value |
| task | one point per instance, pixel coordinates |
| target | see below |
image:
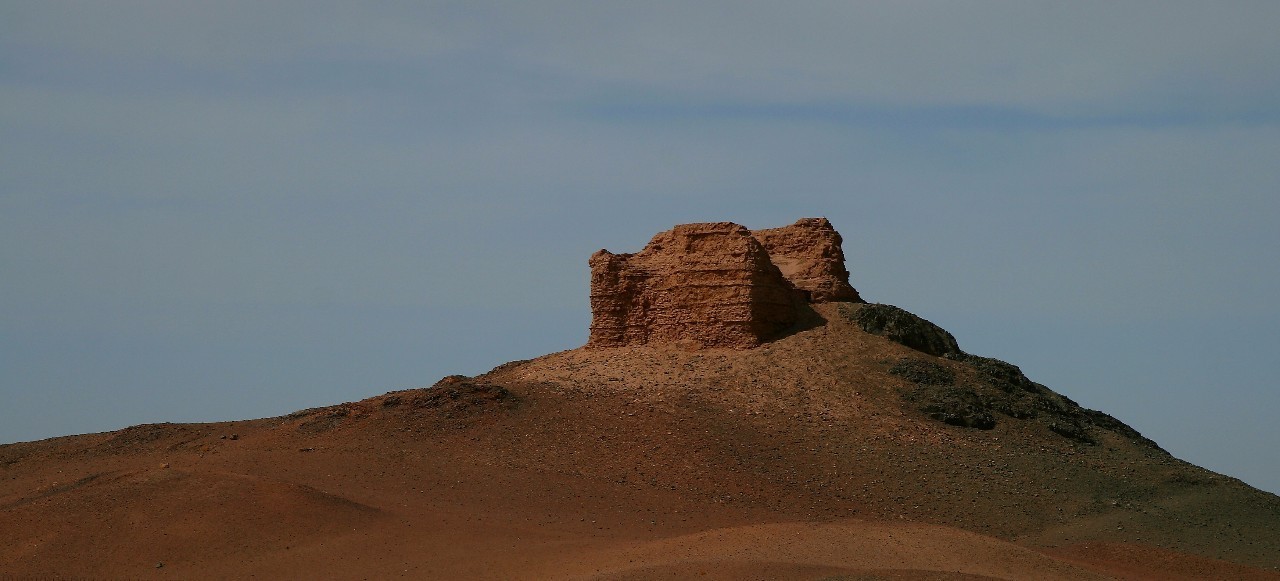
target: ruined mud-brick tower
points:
(716, 284)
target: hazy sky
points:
(224, 210)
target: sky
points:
(227, 210)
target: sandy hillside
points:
(831, 453)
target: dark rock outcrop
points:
(902, 327)
(937, 395)
(1006, 376)
(991, 386)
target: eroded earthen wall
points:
(709, 284)
(809, 255)
(715, 284)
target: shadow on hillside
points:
(808, 319)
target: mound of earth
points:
(834, 452)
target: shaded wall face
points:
(810, 256)
(703, 285)
(614, 288)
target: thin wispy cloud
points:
(185, 187)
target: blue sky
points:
(227, 210)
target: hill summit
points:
(738, 413)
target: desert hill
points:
(759, 423)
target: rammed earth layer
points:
(715, 284)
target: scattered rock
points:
(1019, 397)
(936, 394)
(957, 406)
(995, 386)
(453, 389)
(1070, 428)
(1107, 422)
(454, 396)
(923, 372)
(1006, 376)
(1016, 407)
